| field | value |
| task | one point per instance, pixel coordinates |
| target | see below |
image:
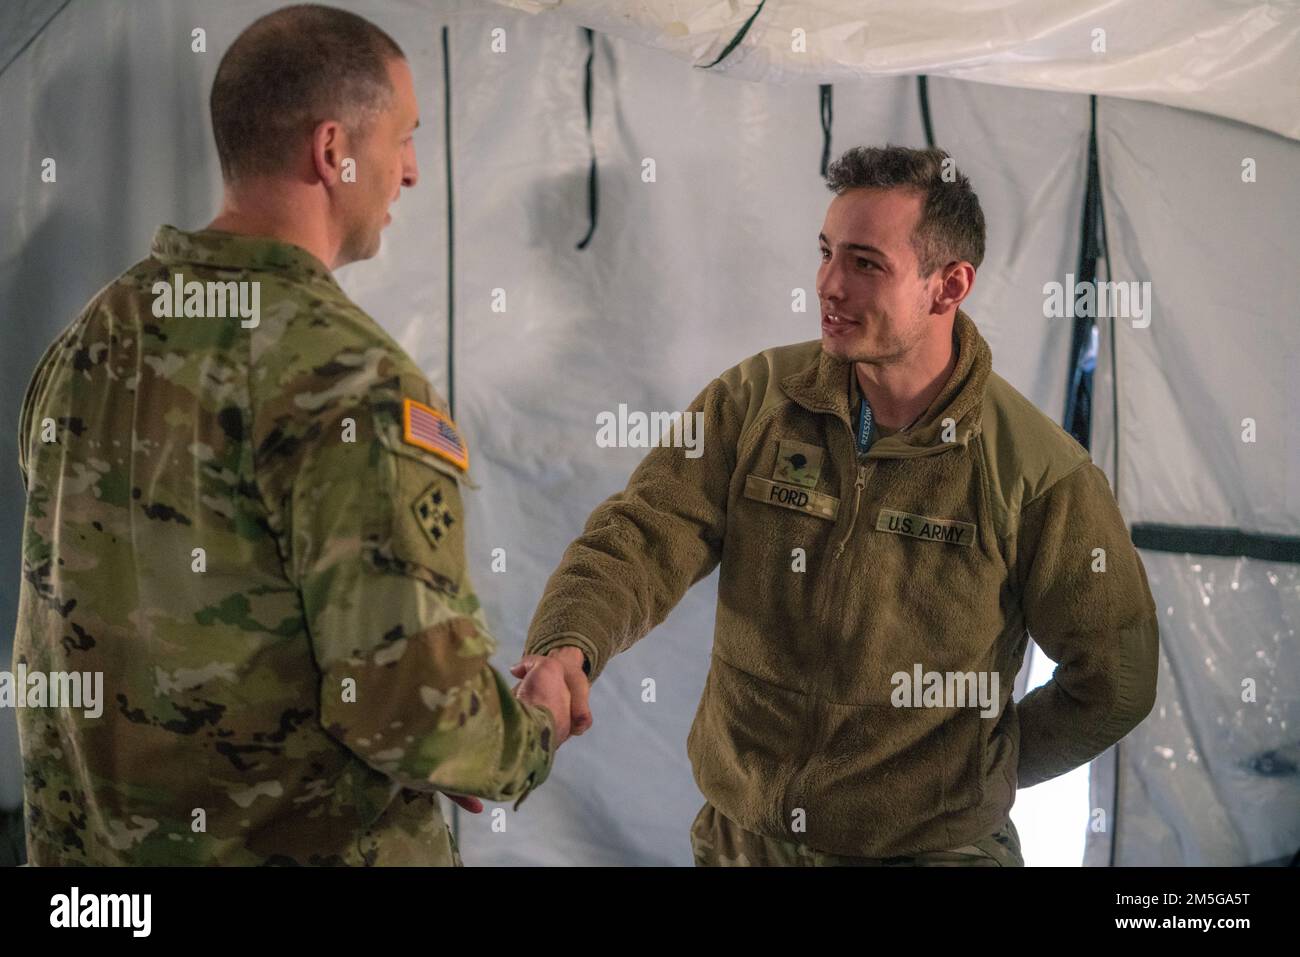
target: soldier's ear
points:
(332, 153)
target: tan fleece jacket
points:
(843, 580)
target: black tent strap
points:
(923, 91)
(827, 116)
(451, 224)
(36, 33)
(1077, 389)
(1225, 542)
(735, 41)
(591, 172)
(451, 273)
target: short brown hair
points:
(289, 71)
(951, 227)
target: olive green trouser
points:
(719, 842)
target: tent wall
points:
(1234, 58)
(1209, 778)
(683, 277)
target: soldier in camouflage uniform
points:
(254, 531)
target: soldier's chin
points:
(841, 346)
(368, 248)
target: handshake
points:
(556, 682)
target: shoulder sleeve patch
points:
(426, 428)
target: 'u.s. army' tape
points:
(946, 530)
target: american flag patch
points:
(427, 428)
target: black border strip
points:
(1225, 542)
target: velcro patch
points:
(432, 513)
(817, 504)
(930, 529)
(798, 463)
(426, 428)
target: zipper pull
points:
(857, 497)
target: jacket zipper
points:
(814, 735)
(859, 484)
(818, 730)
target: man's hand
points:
(544, 684)
(560, 686)
(579, 686)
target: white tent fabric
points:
(1211, 779)
(688, 274)
(1234, 58)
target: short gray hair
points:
(289, 71)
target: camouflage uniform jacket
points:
(253, 530)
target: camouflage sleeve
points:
(24, 425)
(30, 397)
(374, 528)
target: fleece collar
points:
(823, 386)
